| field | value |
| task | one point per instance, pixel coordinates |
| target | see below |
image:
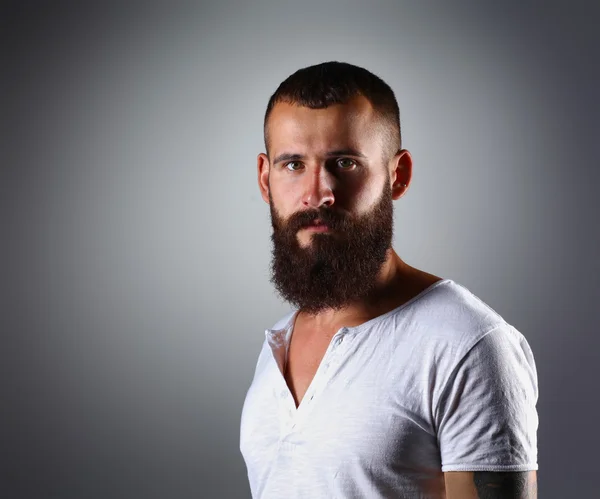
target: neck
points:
(395, 283)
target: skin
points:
(319, 175)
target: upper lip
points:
(316, 223)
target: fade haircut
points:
(328, 83)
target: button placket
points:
(335, 353)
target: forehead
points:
(294, 128)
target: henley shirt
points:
(440, 383)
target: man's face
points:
(327, 166)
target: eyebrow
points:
(286, 156)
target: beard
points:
(337, 267)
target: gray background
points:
(135, 245)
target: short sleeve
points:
(486, 417)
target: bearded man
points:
(384, 381)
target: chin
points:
(308, 240)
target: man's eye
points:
(294, 165)
(345, 163)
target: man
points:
(385, 381)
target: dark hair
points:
(333, 82)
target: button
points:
(283, 394)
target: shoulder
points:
(451, 314)
(450, 328)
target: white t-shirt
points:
(441, 383)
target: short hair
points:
(328, 83)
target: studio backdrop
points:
(135, 245)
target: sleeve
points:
(486, 417)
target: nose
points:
(318, 188)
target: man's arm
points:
(491, 484)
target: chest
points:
(305, 355)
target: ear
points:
(400, 173)
(263, 175)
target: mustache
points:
(303, 219)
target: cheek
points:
(360, 196)
(286, 197)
